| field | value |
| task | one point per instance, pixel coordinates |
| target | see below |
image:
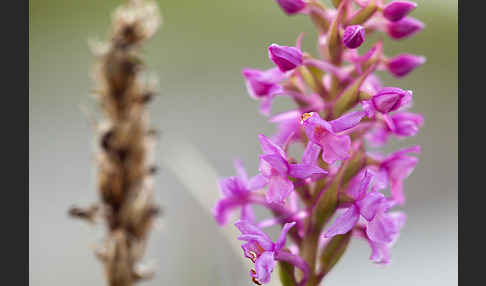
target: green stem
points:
(309, 254)
(333, 252)
(286, 273)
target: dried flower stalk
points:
(126, 141)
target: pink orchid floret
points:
(394, 169)
(401, 124)
(236, 192)
(263, 252)
(263, 85)
(380, 251)
(276, 169)
(385, 226)
(371, 206)
(288, 127)
(406, 124)
(381, 227)
(328, 134)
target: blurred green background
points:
(207, 119)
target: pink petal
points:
(257, 182)
(401, 167)
(354, 186)
(247, 213)
(344, 222)
(302, 171)
(250, 232)
(266, 105)
(280, 243)
(262, 83)
(380, 177)
(397, 191)
(224, 207)
(269, 147)
(370, 204)
(407, 123)
(240, 171)
(232, 186)
(288, 126)
(381, 229)
(378, 136)
(380, 252)
(347, 121)
(399, 218)
(264, 267)
(246, 227)
(335, 147)
(311, 153)
(271, 163)
(278, 189)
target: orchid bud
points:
(353, 36)
(404, 28)
(291, 7)
(397, 10)
(390, 98)
(285, 58)
(403, 64)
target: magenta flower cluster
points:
(338, 189)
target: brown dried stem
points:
(126, 141)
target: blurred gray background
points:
(207, 119)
